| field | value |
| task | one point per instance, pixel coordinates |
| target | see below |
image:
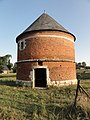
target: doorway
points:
(40, 77)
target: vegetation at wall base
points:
(24, 103)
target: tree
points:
(78, 65)
(84, 64)
(2, 59)
(1, 67)
(14, 68)
(5, 60)
(1, 63)
(9, 65)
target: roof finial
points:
(44, 11)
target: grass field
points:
(24, 103)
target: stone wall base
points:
(49, 83)
(24, 83)
(62, 83)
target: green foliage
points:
(14, 68)
(84, 64)
(9, 65)
(5, 60)
(80, 64)
(1, 67)
(85, 73)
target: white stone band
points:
(63, 82)
(45, 60)
(52, 36)
(52, 83)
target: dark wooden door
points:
(40, 77)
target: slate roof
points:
(45, 22)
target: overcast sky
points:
(17, 15)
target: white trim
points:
(47, 74)
(34, 67)
(62, 82)
(46, 60)
(33, 78)
(52, 36)
(24, 44)
(50, 83)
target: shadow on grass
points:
(75, 113)
(8, 83)
(53, 111)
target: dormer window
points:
(21, 44)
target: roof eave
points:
(43, 30)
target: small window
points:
(21, 44)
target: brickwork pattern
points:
(47, 48)
(23, 70)
(61, 70)
(58, 71)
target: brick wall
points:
(23, 70)
(57, 70)
(48, 48)
(61, 70)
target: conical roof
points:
(45, 22)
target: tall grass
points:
(24, 103)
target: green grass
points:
(85, 73)
(24, 103)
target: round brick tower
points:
(46, 54)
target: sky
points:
(17, 15)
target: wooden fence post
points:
(76, 93)
(78, 85)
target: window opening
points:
(22, 45)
